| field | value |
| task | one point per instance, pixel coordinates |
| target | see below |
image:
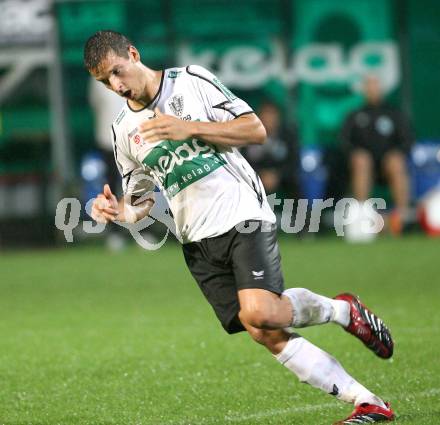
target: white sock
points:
(317, 368)
(313, 309)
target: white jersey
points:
(209, 188)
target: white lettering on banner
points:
(331, 55)
(248, 67)
(25, 20)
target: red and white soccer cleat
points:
(369, 414)
(369, 328)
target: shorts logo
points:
(137, 139)
(258, 275)
(176, 104)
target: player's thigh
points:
(256, 259)
(217, 283)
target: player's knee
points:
(258, 335)
(260, 318)
(274, 340)
(261, 336)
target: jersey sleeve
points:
(219, 102)
(135, 179)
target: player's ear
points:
(134, 54)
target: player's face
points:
(372, 89)
(122, 75)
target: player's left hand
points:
(164, 127)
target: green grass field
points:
(91, 337)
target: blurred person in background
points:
(276, 161)
(377, 139)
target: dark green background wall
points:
(278, 28)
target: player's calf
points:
(273, 340)
(310, 309)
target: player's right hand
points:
(105, 206)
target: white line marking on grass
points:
(258, 415)
(431, 392)
(277, 412)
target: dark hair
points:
(100, 44)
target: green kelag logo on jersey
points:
(179, 164)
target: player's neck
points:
(152, 86)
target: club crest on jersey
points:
(176, 104)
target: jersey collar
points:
(155, 98)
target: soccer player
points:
(188, 147)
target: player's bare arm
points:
(107, 208)
(241, 131)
